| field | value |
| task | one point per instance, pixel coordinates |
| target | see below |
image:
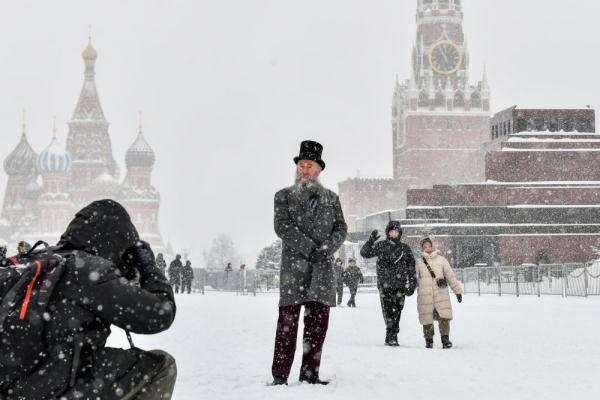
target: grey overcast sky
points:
(229, 88)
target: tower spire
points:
(140, 122)
(54, 128)
(24, 123)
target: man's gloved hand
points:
(318, 255)
(459, 298)
(374, 236)
(138, 257)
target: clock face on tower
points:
(445, 57)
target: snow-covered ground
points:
(505, 348)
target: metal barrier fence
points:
(530, 279)
(241, 282)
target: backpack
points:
(26, 286)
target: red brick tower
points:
(439, 119)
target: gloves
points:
(318, 255)
(459, 298)
(374, 236)
(139, 257)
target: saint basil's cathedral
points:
(45, 190)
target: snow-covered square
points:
(505, 348)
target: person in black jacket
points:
(187, 276)
(175, 272)
(352, 277)
(339, 279)
(396, 276)
(110, 278)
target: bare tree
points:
(221, 252)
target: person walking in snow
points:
(187, 277)
(352, 277)
(339, 280)
(161, 263)
(433, 298)
(175, 272)
(309, 221)
(396, 276)
(102, 256)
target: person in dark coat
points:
(339, 280)
(110, 278)
(161, 263)
(175, 272)
(187, 276)
(396, 276)
(352, 277)
(309, 221)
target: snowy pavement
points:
(505, 348)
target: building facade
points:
(439, 116)
(45, 190)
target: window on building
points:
(553, 125)
(475, 100)
(440, 100)
(423, 99)
(509, 127)
(459, 100)
(539, 124)
(583, 125)
(568, 125)
(521, 125)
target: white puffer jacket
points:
(429, 296)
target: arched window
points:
(459, 99)
(568, 125)
(440, 100)
(423, 99)
(475, 100)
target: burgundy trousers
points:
(316, 322)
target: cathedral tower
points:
(88, 141)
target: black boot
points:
(313, 380)
(279, 381)
(391, 339)
(446, 343)
(428, 343)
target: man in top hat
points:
(310, 223)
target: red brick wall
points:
(517, 250)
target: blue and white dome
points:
(54, 159)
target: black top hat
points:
(310, 150)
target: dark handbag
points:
(441, 283)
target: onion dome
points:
(89, 53)
(140, 154)
(33, 190)
(106, 184)
(54, 159)
(22, 160)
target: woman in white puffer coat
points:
(433, 301)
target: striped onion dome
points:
(140, 154)
(21, 161)
(54, 159)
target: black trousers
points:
(392, 303)
(353, 290)
(340, 293)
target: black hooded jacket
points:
(91, 296)
(395, 263)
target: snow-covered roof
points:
(552, 107)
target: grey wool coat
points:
(302, 229)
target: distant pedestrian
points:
(339, 279)
(352, 277)
(175, 271)
(187, 277)
(161, 263)
(433, 298)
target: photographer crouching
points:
(109, 278)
